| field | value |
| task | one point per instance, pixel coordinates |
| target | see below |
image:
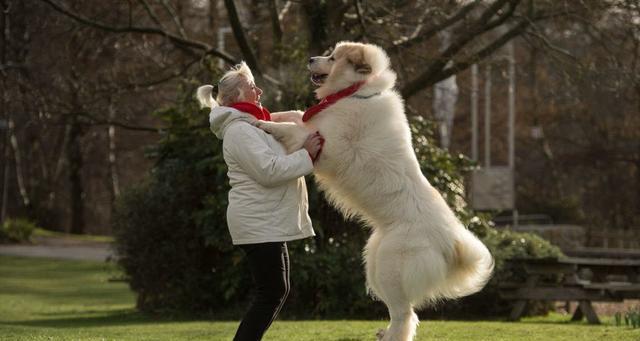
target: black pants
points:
(269, 264)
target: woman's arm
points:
(248, 148)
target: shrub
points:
(170, 232)
(16, 230)
(504, 245)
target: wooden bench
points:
(583, 280)
(599, 252)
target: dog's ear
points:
(357, 58)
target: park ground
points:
(47, 299)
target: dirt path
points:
(60, 248)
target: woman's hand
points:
(313, 145)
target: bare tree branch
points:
(241, 39)
(11, 65)
(158, 81)
(97, 122)
(437, 71)
(363, 27)
(550, 45)
(479, 27)
(482, 53)
(284, 11)
(178, 41)
(152, 13)
(418, 37)
(503, 17)
(174, 17)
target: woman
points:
(268, 197)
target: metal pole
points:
(487, 117)
(474, 112)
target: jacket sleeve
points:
(268, 168)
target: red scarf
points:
(329, 100)
(258, 112)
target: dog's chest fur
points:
(362, 128)
(367, 140)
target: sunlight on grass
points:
(74, 300)
(82, 237)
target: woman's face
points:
(251, 92)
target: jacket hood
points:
(221, 118)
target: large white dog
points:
(418, 252)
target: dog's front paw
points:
(380, 334)
(266, 126)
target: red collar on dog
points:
(258, 112)
(329, 100)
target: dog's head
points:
(349, 63)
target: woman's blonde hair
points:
(229, 87)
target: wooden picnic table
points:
(600, 252)
(583, 280)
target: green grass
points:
(73, 300)
(38, 232)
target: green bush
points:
(170, 232)
(504, 244)
(173, 243)
(16, 230)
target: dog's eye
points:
(331, 59)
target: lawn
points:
(74, 300)
(38, 232)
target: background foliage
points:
(16, 230)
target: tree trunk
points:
(545, 145)
(3, 119)
(637, 164)
(74, 162)
(316, 15)
(241, 39)
(5, 182)
(277, 32)
(18, 162)
(113, 169)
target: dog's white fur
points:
(418, 252)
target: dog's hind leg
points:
(389, 287)
(403, 320)
(370, 251)
(403, 324)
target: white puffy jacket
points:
(268, 197)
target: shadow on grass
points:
(125, 317)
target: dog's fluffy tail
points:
(471, 268)
(205, 96)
